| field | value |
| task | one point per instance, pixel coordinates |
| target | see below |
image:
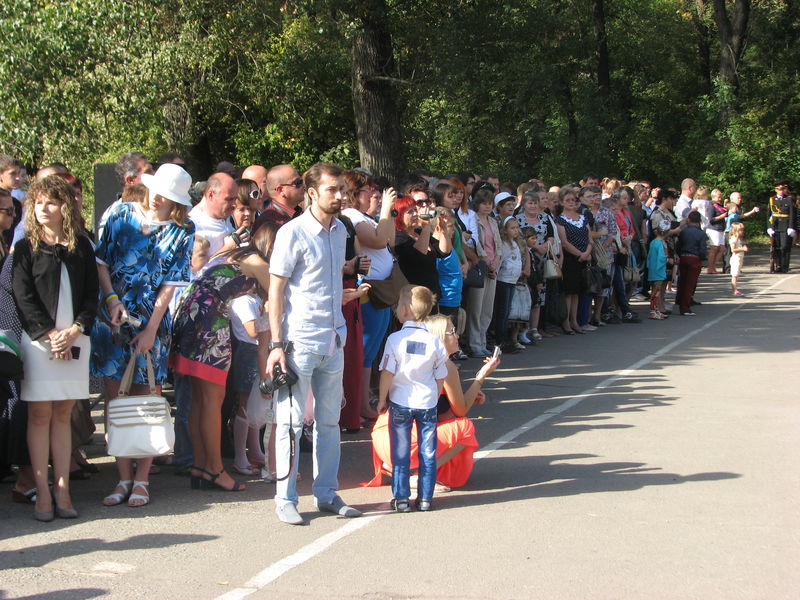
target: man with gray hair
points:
(130, 168)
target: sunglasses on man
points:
(298, 183)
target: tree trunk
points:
(697, 8)
(732, 37)
(377, 116)
(601, 48)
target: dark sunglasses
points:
(9, 211)
(422, 203)
(298, 183)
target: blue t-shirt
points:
(450, 280)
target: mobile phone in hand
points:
(497, 352)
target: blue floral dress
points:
(201, 346)
(141, 256)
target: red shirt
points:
(624, 222)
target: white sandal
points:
(137, 497)
(534, 334)
(119, 497)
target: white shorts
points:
(716, 238)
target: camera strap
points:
(291, 440)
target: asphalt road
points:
(640, 461)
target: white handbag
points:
(139, 426)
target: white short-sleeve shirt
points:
(214, 230)
(416, 358)
(382, 259)
(243, 310)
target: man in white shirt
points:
(210, 216)
(684, 203)
(305, 309)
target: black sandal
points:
(212, 483)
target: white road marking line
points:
(309, 551)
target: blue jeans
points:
(184, 453)
(321, 375)
(400, 421)
(375, 323)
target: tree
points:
(732, 36)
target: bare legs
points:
(205, 428)
(713, 254)
(49, 432)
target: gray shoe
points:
(337, 507)
(288, 514)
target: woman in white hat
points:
(143, 252)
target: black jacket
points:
(36, 279)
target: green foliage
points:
(509, 87)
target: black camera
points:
(268, 385)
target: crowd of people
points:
(364, 296)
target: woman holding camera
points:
(55, 291)
(143, 253)
(419, 241)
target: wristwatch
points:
(272, 345)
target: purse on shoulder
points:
(139, 426)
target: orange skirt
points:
(454, 473)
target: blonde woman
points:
(55, 291)
(143, 253)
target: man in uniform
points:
(781, 227)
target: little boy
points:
(413, 368)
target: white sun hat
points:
(170, 181)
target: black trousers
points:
(782, 243)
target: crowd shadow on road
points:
(43, 554)
(68, 594)
(510, 479)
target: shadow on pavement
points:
(37, 556)
(71, 594)
(550, 476)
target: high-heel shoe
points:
(66, 513)
(44, 517)
(196, 481)
(212, 483)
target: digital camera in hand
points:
(279, 379)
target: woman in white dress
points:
(55, 289)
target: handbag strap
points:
(127, 377)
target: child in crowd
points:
(514, 262)
(738, 250)
(505, 207)
(413, 369)
(248, 323)
(657, 274)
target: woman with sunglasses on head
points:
(55, 290)
(419, 241)
(143, 254)
(455, 434)
(376, 239)
(248, 198)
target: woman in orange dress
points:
(456, 440)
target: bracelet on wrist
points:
(111, 296)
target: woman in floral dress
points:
(201, 347)
(144, 251)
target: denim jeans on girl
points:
(400, 421)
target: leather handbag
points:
(386, 292)
(591, 281)
(476, 276)
(551, 269)
(139, 426)
(630, 274)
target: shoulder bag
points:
(386, 292)
(551, 270)
(139, 426)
